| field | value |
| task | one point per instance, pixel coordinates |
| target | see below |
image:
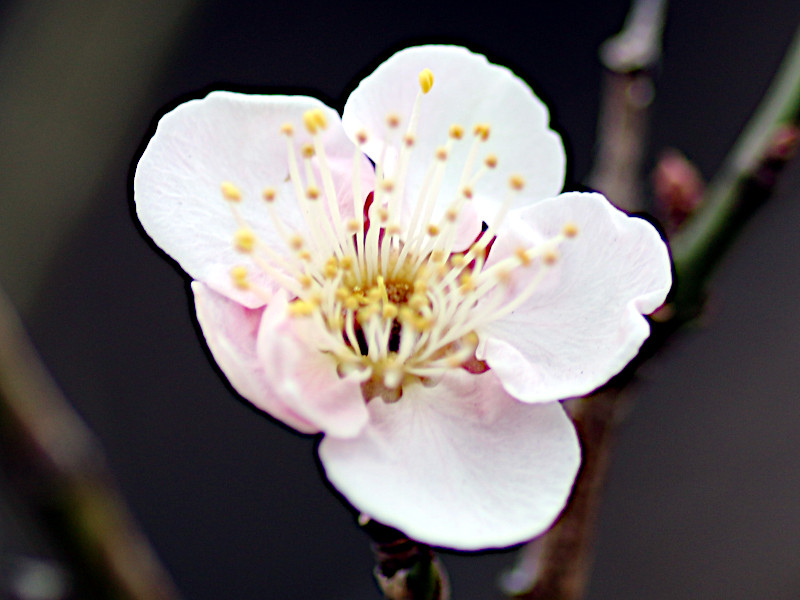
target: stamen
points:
(230, 192)
(244, 240)
(426, 80)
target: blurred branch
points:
(75, 75)
(556, 566)
(59, 470)
(629, 58)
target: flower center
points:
(391, 296)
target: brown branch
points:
(58, 469)
(405, 569)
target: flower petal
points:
(467, 90)
(230, 137)
(230, 330)
(460, 465)
(305, 378)
(584, 322)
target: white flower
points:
(368, 304)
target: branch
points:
(745, 180)
(556, 566)
(58, 468)
(405, 569)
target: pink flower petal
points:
(467, 90)
(305, 378)
(230, 137)
(230, 330)
(584, 322)
(460, 464)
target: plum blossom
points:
(408, 281)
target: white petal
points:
(467, 90)
(460, 465)
(230, 330)
(228, 137)
(584, 323)
(305, 378)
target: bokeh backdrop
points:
(705, 487)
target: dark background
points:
(705, 488)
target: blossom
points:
(408, 281)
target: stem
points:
(565, 554)
(558, 564)
(405, 569)
(740, 185)
(58, 468)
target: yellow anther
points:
(420, 286)
(451, 214)
(393, 120)
(304, 255)
(409, 139)
(458, 260)
(353, 225)
(351, 303)
(433, 229)
(405, 314)
(441, 153)
(366, 313)
(305, 281)
(269, 194)
(490, 161)
(307, 150)
(342, 294)
(387, 185)
(315, 120)
(550, 256)
(287, 129)
(503, 276)
(301, 308)
(517, 182)
(394, 229)
(389, 311)
(383, 215)
(230, 192)
(346, 263)
(467, 283)
(296, 241)
(456, 131)
(471, 339)
(239, 277)
(361, 136)
(523, 256)
(422, 324)
(570, 230)
(426, 80)
(330, 271)
(244, 240)
(417, 301)
(438, 256)
(482, 131)
(312, 193)
(466, 191)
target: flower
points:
(428, 313)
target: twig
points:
(405, 569)
(746, 178)
(629, 58)
(59, 470)
(745, 181)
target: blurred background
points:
(705, 487)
